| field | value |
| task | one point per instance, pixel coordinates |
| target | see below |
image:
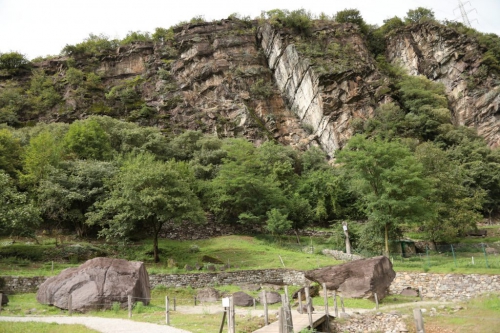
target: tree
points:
(419, 15)
(390, 182)
(70, 191)
(13, 62)
(352, 16)
(18, 216)
(10, 153)
(277, 223)
(42, 154)
(241, 192)
(457, 208)
(146, 193)
(87, 140)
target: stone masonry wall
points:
(446, 286)
(434, 286)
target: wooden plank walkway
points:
(300, 321)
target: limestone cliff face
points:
(443, 55)
(246, 78)
(327, 79)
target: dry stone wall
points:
(434, 286)
(446, 286)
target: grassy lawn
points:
(26, 258)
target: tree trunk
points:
(156, 230)
(386, 240)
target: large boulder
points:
(208, 295)
(97, 284)
(272, 297)
(242, 299)
(313, 292)
(357, 279)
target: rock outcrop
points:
(444, 55)
(242, 299)
(327, 79)
(97, 284)
(208, 295)
(357, 279)
(272, 297)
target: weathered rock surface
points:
(272, 297)
(96, 284)
(325, 92)
(242, 299)
(454, 59)
(357, 279)
(409, 292)
(208, 295)
(313, 292)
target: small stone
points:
(423, 310)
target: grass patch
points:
(478, 315)
(34, 327)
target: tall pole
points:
(347, 242)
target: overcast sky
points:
(44, 27)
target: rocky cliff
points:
(443, 55)
(248, 78)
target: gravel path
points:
(104, 325)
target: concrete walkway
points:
(104, 325)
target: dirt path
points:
(104, 325)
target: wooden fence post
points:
(281, 320)
(175, 303)
(266, 314)
(301, 310)
(342, 303)
(325, 297)
(309, 305)
(335, 303)
(419, 320)
(232, 327)
(420, 293)
(254, 304)
(70, 304)
(194, 300)
(376, 300)
(167, 310)
(129, 306)
(1, 295)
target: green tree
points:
(390, 182)
(277, 223)
(241, 192)
(86, 139)
(69, 191)
(10, 153)
(420, 14)
(146, 193)
(41, 155)
(18, 216)
(457, 208)
(352, 16)
(13, 62)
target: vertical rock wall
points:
(443, 55)
(325, 92)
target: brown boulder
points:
(408, 292)
(97, 284)
(208, 295)
(272, 297)
(357, 279)
(242, 299)
(313, 292)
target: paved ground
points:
(104, 325)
